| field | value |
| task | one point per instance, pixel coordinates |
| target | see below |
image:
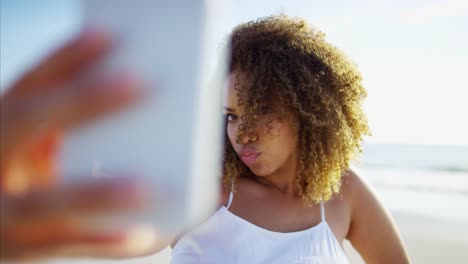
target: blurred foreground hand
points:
(40, 216)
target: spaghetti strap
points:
(322, 211)
(231, 195)
(230, 199)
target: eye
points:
(231, 117)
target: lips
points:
(248, 156)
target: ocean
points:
(429, 181)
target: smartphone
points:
(173, 138)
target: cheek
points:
(272, 128)
(230, 130)
(282, 138)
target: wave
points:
(443, 181)
(417, 157)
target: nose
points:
(247, 138)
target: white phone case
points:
(174, 138)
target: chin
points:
(260, 171)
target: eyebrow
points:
(229, 109)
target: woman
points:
(294, 122)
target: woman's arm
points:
(372, 231)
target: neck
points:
(283, 180)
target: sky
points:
(412, 54)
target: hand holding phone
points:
(173, 138)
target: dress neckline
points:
(261, 229)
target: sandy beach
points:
(427, 240)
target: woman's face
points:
(273, 144)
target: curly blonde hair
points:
(286, 62)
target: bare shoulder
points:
(370, 222)
(358, 193)
(351, 185)
(352, 182)
(360, 196)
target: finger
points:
(39, 237)
(98, 99)
(56, 221)
(73, 240)
(84, 201)
(64, 64)
(30, 118)
(53, 223)
(35, 167)
(138, 241)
